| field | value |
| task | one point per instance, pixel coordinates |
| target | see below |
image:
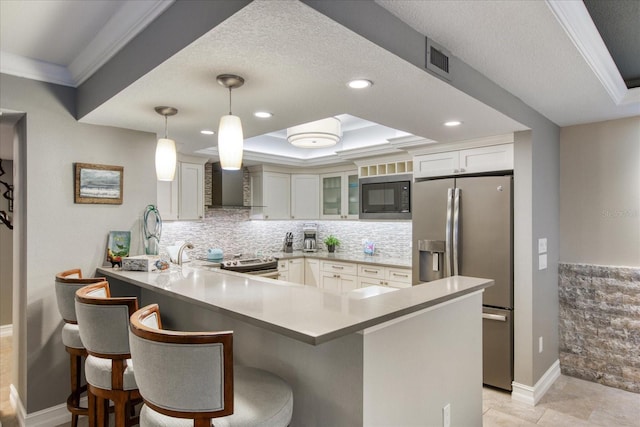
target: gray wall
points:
(600, 187)
(55, 234)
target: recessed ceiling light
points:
(207, 132)
(263, 114)
(360, 84)
(453, 123)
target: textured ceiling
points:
(296, 63)
(520, 46)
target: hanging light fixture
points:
(166, 149)
(230, 137)
(318, 134)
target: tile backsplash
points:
(233, 231)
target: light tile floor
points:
(570, 402)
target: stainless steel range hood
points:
(227, 187)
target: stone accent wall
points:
(600, 324)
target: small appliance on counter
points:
(215, 254)
(288, 243)
(310, 231)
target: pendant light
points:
(166, 149)
(230, 137)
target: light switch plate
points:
(542, 262)
(542, 245)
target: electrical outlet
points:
(446, 415)
(540, 345)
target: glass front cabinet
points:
(339, 195)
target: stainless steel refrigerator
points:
(464, 226)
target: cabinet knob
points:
(456, 171)
(461, 169)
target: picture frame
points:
(101, 184)
(118, 247)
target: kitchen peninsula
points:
(352, 359)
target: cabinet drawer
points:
(401, 275)
(374, 272)
(398, 284)
(339, 267)
(283, 265)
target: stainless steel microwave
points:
(385, 197)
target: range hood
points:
(227, 187)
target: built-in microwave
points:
(385, 197)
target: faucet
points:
(184, 246)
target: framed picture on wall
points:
(98, 183)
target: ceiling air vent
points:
(438, 59)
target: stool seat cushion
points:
(71, 336)
(260, 399)
(98, 373)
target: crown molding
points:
(577, 23)
(124, 25)
(371, 151)
(33, 69)
(275, 159)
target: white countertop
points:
(305, 313)
(348, 257)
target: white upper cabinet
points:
(182, 198)
(339, 195)
(305, 196)
(270, 195)
(472, 160)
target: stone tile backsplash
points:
(600, 324)
(233, 231)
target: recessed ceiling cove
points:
(296, 63)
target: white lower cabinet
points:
(311, 272)
(291, 270)
(338, 282)
(369, 275)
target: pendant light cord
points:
(230, 101)
(166, 127)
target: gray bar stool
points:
(104, 329)
(66, 285)
(188, 379)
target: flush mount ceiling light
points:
(453, 123)
(360, 84)
(318, 134)
(230, 137)
(166, 149)
(263, 114)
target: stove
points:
(265, 266)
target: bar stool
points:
(188, 378)
(66, 285)
(104, 329)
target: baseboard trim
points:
(532, 395)
(54, 415)
(6, 330)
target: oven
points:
(261, 267)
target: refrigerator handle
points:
(447, 245)
(456, 229)
(497, 317)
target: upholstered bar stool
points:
(188, 379)
(66, 285)
(104, 329)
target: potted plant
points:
(331, 241)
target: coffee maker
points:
(310, 232)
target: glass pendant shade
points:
(165, 159)
(230, 141)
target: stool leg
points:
(92, 409)
(76, 374)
